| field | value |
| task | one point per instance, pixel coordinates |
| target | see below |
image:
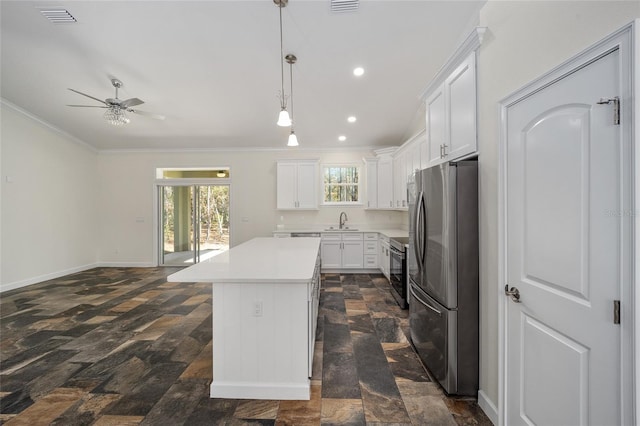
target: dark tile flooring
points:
(122, 346)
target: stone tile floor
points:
(121, 346)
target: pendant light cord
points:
(283, 102)
(291, 92)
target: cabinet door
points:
(286, 186)
(352, 254)
(436, 127)
(460, 88)
(331, 253)
(385, 183)
(372, 183)
(424, 153)
(307, 190)
(400, 180)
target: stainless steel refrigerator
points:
(443, 273)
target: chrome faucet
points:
(341, 220)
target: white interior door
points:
(565, 252)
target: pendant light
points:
(283, 117)
(291, 59)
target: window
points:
(193, 173)
(341, 184)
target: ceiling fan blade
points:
(148, 114)
(131, 102)
(89, 96)
(89, 106)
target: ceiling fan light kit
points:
(116, 108)
(116, 116)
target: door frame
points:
(627, 40)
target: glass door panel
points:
(194, 223)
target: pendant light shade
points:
(283, 118)
(293, 139)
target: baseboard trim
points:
(53, 275)
(40, 278)
(488, 407)
(125, 265)
(351, 271)
(259, 390)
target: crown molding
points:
(470, 44)
(48, 125)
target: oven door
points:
(397, 275)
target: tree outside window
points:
(341, 184)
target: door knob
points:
(513, 292)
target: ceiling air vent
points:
(344, 5)
(58, 16)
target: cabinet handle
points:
(443, 150)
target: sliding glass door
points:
(194, 223)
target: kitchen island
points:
(265, 309)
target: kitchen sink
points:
(346, 228)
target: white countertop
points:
(389, 232)
(257, 260)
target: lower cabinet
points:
(371, 250)
(384, 256)
(313, 302)
(342, 250)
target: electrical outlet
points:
(257, 308)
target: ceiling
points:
(213, 69)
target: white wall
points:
(524, 40)
(68, 208)
(127, 188)
(49, 217)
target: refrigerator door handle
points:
(426, 304)
(419, 230)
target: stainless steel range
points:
(398, 269)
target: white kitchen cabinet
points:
(331, 251)
(385, 182)
(400, 179)
(352, 254)
(342, 250)
(371, 170)
(297, 184)
(380, 180)
(435, 127)
(451, 115)
(371, 250)
(384, 256)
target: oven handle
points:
(397, 252)
(428, 305)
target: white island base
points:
(265, 306)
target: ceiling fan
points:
(117, 108)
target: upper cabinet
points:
(297, 184)
(450, 102)
(451, 115)
(385, 182)
(380, 180)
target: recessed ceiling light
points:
(342, 138)
(358, 71)
(351, 119)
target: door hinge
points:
(616, 312)
(616, 107)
